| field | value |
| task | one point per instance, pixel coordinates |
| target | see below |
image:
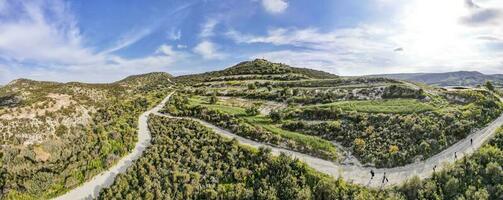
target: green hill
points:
(382, 121)
(57, 135)
(257, 69)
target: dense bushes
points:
(77, 153)
(417, 136)
(188, 161)
(179, 106)
(301, 95)
(255, 67)
(277, 77)
(479, 176)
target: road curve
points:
(361, 175)
(92, 188)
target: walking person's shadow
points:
(368, 183)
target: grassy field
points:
(403, 106)
(221, 105)
(311, 141)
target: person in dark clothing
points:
(372, 174)
(471, 141)
(384, 178)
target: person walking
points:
(455, 155)
(471, 141)
(372, 174)
(384, 178)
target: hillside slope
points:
(55, 136)
(258, 67)
(460, 78)
(380, 121)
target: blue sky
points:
(103, 41)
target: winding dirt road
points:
(361, 175)
(91, 188)
(351, 173)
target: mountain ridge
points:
(456, 78)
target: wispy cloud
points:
(208, 50)
(34, 37)
(479, 16)
(208, 28)
(129, 39)
(428, 32)
(44, 42)
(174, 34)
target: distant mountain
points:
(459, 78)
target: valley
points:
(256, 130)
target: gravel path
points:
(361, 175)
(350, 173)
(91, 188)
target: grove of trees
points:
(188, 161)
(178, 105)
(477, 177)
(412, 136)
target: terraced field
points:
(383, 122)
(55, 137)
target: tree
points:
(393, 149)
(252, 86)
(489, 86)
(359, 144)
(213, 98)
(252, 110)
(276, 116)
(269, 88)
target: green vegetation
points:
(256, 67)
(189, 161)
(489, 86)
(479, 176)
(219, 168)
(63, 146)
(401, 106)
(307, 141)
(56, 136)
(383, 122)
(413, 136)
(256, 127)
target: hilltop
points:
(258, 68)
(459, 78)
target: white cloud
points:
(430, 32)
(208, 28)
(33, 37)
(275, 6)
(166, 50)
(44, 42)
(208, 50)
